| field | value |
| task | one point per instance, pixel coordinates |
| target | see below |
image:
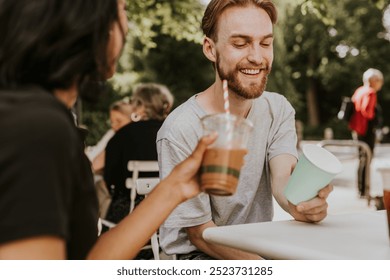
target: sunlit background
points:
(321, 50)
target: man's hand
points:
(314, 210)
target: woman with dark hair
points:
(48, 206)
(57, 44)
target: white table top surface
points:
(348, 236)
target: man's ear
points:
(209, 49)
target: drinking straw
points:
(229, 128)
(226, 96)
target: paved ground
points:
(345, 197)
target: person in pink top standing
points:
(363, 121)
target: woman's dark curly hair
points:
(54, 43)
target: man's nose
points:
(255, 54)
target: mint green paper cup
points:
(315, 169)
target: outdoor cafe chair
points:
(142, 186)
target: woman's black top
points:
(46, 183)
(135, 141)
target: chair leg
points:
(107, 223)
(155, 246)
(133, 195)
(99, 226)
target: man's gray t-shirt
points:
(273, 134)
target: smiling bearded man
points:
(239, 42)
(255, 89)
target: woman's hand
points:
(185, 176)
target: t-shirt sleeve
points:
(35, 184)
(282, 132)
(169, 155)
(194, 211)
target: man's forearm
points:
(216, 251)
(281, 168)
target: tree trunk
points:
(311, 93)
(312, 103)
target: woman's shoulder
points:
(35, 113)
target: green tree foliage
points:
(321, 50)
(279, 80)
(150, 20)
(329, 45)
(180, 65)
(163, 45)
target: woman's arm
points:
(38, 248)
(130, 235)
(98, 162)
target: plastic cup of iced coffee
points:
(223, 159)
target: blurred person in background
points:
(365, 120)
(151, 104)
(120, 112)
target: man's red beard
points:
(252, 91)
